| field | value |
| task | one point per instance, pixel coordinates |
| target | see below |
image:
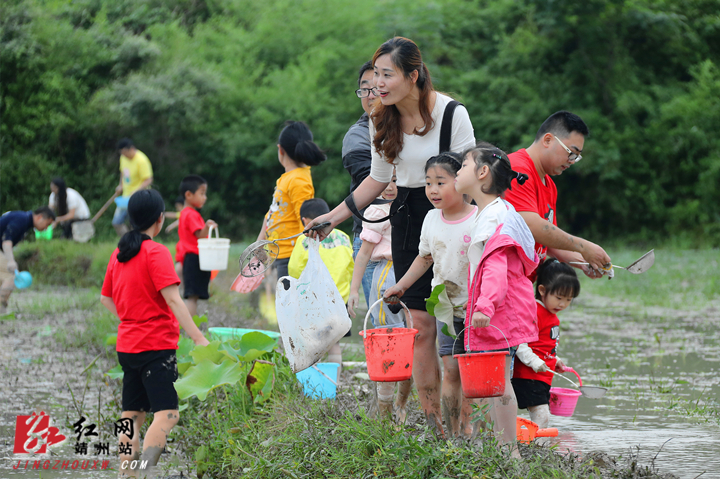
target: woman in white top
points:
(405, 130)
(68, 205)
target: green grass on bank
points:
(679, 279)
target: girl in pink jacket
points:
(502, 256)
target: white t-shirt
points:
(448, 242)
(74, 200)
(418, 149)
(492, 216)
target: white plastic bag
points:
(311, 312)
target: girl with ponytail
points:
(297, 152)
(141, 289)
(502, 256)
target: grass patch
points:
(679, 279)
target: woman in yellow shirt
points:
(297, 153)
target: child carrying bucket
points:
(140, 288)
(557, 285)
(192, 226)
(500, 294)
(444, 240)
(376, 242)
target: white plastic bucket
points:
(214, 252)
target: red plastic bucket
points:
(563, 401)
(389, 351)
(482, 374)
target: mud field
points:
(660, 366)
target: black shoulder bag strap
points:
(445, 141)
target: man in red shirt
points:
(558, 145)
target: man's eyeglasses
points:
(572, 156)
(364, 92)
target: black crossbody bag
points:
(399, 202)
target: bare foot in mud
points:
(400, 415)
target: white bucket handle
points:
(320, 371)
(407, 311)
(458, 335)
(217, 232)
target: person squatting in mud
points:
(501, 312)
(141, 289)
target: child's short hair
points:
(313, 208)
(500, 170)
(449, 160)
(125, 143)
(191, 183)
(558, 278)
(45, 211)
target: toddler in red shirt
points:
(192, 226)
(140, 288)
(557, 285)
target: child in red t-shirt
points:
(557, 285)
(192, 226)
(140, 288)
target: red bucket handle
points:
(501, 332)
(407, 312)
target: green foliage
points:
(204, 87)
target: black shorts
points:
(531, 392)
(148, 380)
(406, 227)
(195, 280)
(281, 265)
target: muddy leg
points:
(540, 415)
(5, 291)
(134, 452)
(505, 410)
(385, 399)
(426, 369)
(404, 388)
(156, 436)
(456, 407)
(335, 356)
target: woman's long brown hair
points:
(406, 57)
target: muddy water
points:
(661, 366)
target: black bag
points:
(399, 202)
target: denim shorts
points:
(120, 216)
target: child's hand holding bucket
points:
(393, 294)
(479, 320)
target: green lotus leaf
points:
(260, 380)
(111, 340)
(115, 373)
(441, 307)
(210, 352)
(434, 299)
(205, 376)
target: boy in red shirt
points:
(557, 146)
(192, 226)
(140, 288)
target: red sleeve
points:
(494, 285)
(161, 267)
(523, 197)
(107, 282)
(195, 222)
